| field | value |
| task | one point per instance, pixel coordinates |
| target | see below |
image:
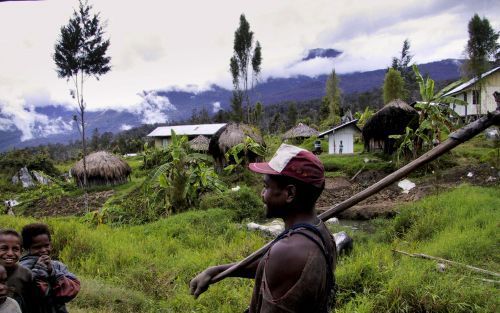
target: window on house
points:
(475, 96)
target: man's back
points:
(294, 275)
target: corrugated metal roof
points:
(469, 83)
(340, 127)
(189, 130)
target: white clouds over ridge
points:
(157, 44)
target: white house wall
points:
(490, 84)
(346, 135)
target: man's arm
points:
(201, 282)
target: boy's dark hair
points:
(32, 230)
(9, 231)
(307, 194)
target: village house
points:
(341, 137)
(392, 119)
(478, 93)
(162, 135)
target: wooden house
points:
(341, 137)
(478, 93)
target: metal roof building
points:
(162, 134)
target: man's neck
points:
(300, 217)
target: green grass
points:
(461, 225)
(147, 268)
(350, 164)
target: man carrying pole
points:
(296, 272)
(256, 265)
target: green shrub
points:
(244, 203)
(308, 144)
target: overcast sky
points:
(162, 44)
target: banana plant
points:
(182, 178)
(436, 118)
(239, 152)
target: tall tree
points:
(333, 96)
(80, 53)
(291, 115)
(393, 85)
(245, 55)
(257, 113)
(482, 47)
(94, 141)
(403, 66)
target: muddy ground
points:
(336, 190)
(66, 206)
(384, 203)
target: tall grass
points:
(147, 268)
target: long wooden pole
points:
(463, 134)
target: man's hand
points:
(200, 283)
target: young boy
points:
(54, 282)
(19, 279)
(7, 304)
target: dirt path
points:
(383, 203)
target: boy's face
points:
(40, 245)
(10, 250)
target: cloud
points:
(216, 107)
(153, 108)
(16, 113)
(125, 127)
(153, 47)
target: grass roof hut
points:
(103, 168)
(392, 119)
(229, 136)
(299, 133)
(199, 143)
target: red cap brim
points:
(262, 168)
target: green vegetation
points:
(147, 268)
(459, 225)
(244, 203)
(349, 165)
(394, 85)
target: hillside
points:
(274, 90)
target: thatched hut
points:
(392, 119)
(300, 132)
(228, 137)
(199, 143)
(103, 168)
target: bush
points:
(244, 203)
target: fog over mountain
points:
(53, 122)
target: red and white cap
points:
(293, 162)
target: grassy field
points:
(147, 268)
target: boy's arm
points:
(60, 284)
(65, 285)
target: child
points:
(52, 278)
(19, 279)
(7, 304)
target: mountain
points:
(321, 53)
(273, 90)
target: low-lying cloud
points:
(15, 113)
(153, 108)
